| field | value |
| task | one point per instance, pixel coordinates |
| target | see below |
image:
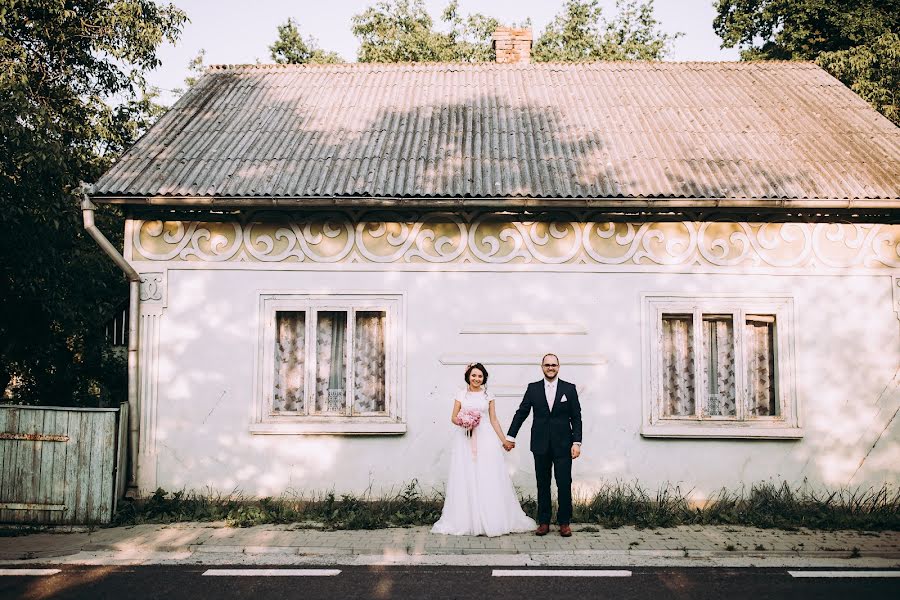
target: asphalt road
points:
(176, 582)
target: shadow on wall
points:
(269, 464)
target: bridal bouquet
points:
(468, 419)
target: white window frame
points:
(391, 422)
(784, 426)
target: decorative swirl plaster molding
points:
(439, 241)
(895, 287)
(152, 287)
(386, 238)
(548, 242)
(301, 240)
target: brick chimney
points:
(513, 45)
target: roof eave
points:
(319, 202)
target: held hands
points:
(576, 451)
(507, 445)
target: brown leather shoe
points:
(565, 531)
(543, 529)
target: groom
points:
(555, 440)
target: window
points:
(329, 364)
(719, 367)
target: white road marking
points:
(844, 573)
(32, 572)
(271, 572)
(559, 573)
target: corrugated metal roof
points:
(768, 130)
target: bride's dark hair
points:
(478, 366)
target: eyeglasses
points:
(546, 365)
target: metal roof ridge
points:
(619, 64)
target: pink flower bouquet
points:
(468, 419)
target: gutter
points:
(134, 283)
(542, 203)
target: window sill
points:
(355, 426)
(712, 430)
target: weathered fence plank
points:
(107, 466)
(121, 455)
(5, 451)
(83, 475)
(43, 495)
(95, 477)
(70, 491)
(58, 465)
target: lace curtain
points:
(290, 350)
(759, 332)
(678, 365)
(368, 363)
(718, 366)
(331, 374)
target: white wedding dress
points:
(480, 498)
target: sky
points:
(241, 31)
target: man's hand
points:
(507, 445)
(576, 451)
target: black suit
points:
(552, 435)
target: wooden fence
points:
(59, 465)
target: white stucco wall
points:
(197, 417)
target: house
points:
(711, 249)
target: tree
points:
(291, 48)
(871, 70)
(580, 33)
(403, 31)
(854, 40)
(196, 67)
(72, 97)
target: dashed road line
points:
(29, 572)
(271, 572)
(836, 574)
(559, 573)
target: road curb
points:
(321, 551)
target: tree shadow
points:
(480, 145)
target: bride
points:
(480, 499)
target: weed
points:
(730, 547)
(854, 552)
(764, 505)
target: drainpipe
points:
(134, 282)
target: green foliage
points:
(72, 97)
(620, 504)
(403, 31)
(854, 40)
(765, 505)
(614, 505)
(291, 48)
(872, 71)
(580, 33)
(195, 68)
(407, 507)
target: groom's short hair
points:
(549, 354)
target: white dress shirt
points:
(550, 391)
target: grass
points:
(764, 505)
(328, 511)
